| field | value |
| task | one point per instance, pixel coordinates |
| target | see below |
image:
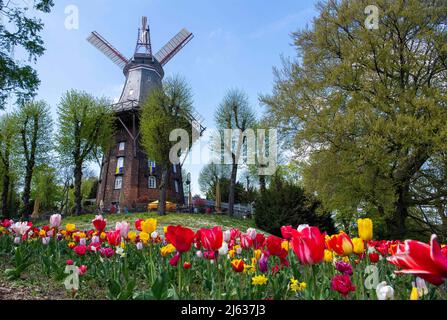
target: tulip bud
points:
(227, 235)
(384, 291)
(365, 228)
(139, 245)
(199, 254)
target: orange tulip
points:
(341, 244)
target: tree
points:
(210, 175)
(34, 126)
(234, 113)
(367, 106)
(165, 110)
(46, 191)
(284, 203)
(8, 135)
(85, 127)
(21, 31)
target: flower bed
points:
(214, 264)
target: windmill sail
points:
(173, 46)
(105, 47)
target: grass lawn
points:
(193, 221)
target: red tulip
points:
(69, 262)
(259, 241)
(308, 245)
(287, 232)
(99, 224)
(82, 270)
(238, 265)
(181, 238)
(374, 257)
(174, 260)
(342, 284)
(114, 237)
(422, 260)
(274, 247)
(138, 224)
(186, 265)
(211, 239)
(80, 250)
(246, 241)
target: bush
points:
(284, 203)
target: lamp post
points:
(188, 183)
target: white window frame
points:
(152, 182)
(119, 164)
(151, 163)
(118, 182)
(121, 146)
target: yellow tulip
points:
(165, 229)
(231, 253)
(132, 235)
(42, 233)
(328, 256)
(414, 294)
(144, 236)
(149, 225)
(285, 245)
(365, 227)
(359, 245)
(167, 249)
(257, 254)
(70, 227)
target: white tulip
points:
(224, 249)
(384, 291)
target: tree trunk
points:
(163, 191)
(27, 208)
(396, 222)
(5, 192)
(77, 187)
(232, 187)
(262, 183)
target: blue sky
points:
(236, 43)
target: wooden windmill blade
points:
(173, 46)
(107, 49)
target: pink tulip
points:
(124, 228)
(55, 220)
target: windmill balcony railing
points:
(126, 105)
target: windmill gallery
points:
(127, 177)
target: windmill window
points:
(176, 186)
(152, 182)
(130, 92)
(121, 146)
(174, 168)
(119, 165)
(118, 182)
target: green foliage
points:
(45, 188)
(86, 125)
(165, 110)
(284, 203)
(367, 106)
(23, 32)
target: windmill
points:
(125, 170)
